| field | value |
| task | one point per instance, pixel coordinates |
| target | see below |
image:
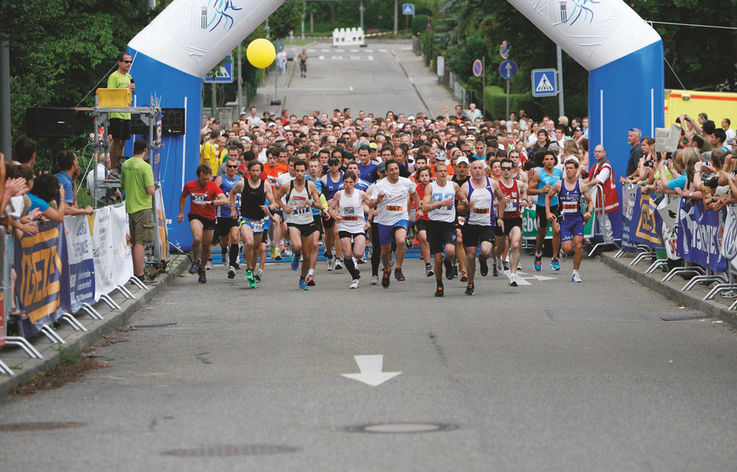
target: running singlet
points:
(511, 195)
(332, 186)
(482, 199)
(299, 202)
(252, 199)
(569, 201)
(351, 209)
(439, 194)
(200, 195)
(227, 185)
(548, 179)
(393, 207)
(421, 194)
(318, 186)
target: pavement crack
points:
(201, 357)
(438, 349)
(153, 424)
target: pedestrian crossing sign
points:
(222, 74)
(408, 9)
(544, 82)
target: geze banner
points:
(668, 210)
(78, 278)
(699, 235)
(630, 199)
(102, 252)
(38, 267)
(121, 240)
(729, 240)
(645, 223)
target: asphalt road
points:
(549, 376)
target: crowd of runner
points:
(456, 185)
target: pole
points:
(561, 107)
(361, 9)
(396, 16)
(213, 100)
(240, 82)
(507, 98)
(5, 145)
(276, 84)
(483, 90)
(304, 11)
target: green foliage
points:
(286, 18)
(419, 23)
(68, 355)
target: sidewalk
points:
(26, 368)
(693, 298)
(433, 94)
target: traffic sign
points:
(408, 9)
(544, 82)
(478, 68)
(508, 69)
(223, 74)
(505, 49)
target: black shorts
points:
(223, 225)
(206, 224)
(439, 234)
(473, 235)
(305, 230)
(542, 218)
(421, 225)
(346, 234)
(510, 223)
(318, 223)
(120, 128)
(328, 223)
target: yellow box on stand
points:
(113, 97)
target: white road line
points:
(324, 50)
(370, 58)
(354, 50)
(355, 58)
(371, 370)
(383, 50)
(368, 50)
(322, 58)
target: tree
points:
(286, 18)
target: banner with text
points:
(729, 240)
(529, 225)
(102, 252)
(38, 267)
(630, 200)
(646, 223)
(78, 280)
(699, 234)
(121, 244)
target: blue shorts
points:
(571, 226)
(386, 232)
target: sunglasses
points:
(506, 168)
(232, 167)
(127, 62)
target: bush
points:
(419, 23)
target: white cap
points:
(463, 160)
(411, 117)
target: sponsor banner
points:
(646, 223)
(156, 159)
(699, 234)
(78, 278)
(38, 269)
(667, 206)
(630, 200)
(729, 239)
(5, 278)
(122, 259)
(102, 252)
(529, 225)
(162, 241)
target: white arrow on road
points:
(370, 367)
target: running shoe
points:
(236, 266)
(513, 280)
(224, 258)
(494, 269)
(355, 283)
(209, 265)
(398, 274)
(576, 278)
(287, 250)
(295, 261)
(483, 266)
(331, 263)
(303, 284)
(470, 289)
(276, 254)
(555, 263)
(455, 270)
(440, 290)
(249, 278)
(428, 271)
(464, 276)
(505, 265)
(338, 265)
(258, 274)
(361, 260)
(194, 267)
(374, 280)
(310, 280)
(231, 272)
(519, 266)
(538, 263)
(202, 277)
(386, 278)
(448, 268)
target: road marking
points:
(322, 58)
(350, 88)
(383, 50)
(355, 58)
(371, 58)
(368, 50)
(370, 367)
(354, 50)
(324, 50)
(520, 280)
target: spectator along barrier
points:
(682, 235)
(64, 270)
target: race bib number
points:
(258, 226)
(199, 198)
(394, 208)
(481, 211)
(510, 206)
(350, 218)
(570, 207)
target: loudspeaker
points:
(50, 122)
(172, 123)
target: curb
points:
(672, 289)
(80, 341)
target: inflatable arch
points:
(623, 54)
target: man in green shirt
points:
(120, 123)
(137, 178)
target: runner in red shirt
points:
(422, 176)
(204, 195)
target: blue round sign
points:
(478, 68)
(508, 69)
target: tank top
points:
(420, 190)
(439, 194)
(548, 179)
(511, 195)
(331, 186)
(351, 209)
(569, 201)
(226, 186)
(251, 201)
(299, 202)
(318, 186)
(482, 212)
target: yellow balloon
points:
(261, 53)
